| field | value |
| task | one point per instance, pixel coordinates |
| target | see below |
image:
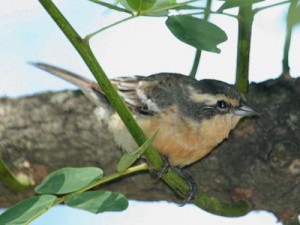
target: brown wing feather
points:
(136, 93)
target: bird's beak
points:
(245, 110)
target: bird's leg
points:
(190, 181)
(166, 166)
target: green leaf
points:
(137, 5)
(237, 3)
(68, 179)
(162, 7)
(26, 210)
(196, 32)
(129, 158)
(98, 201)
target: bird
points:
(191, 116)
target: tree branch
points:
(259, 163)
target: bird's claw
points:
(164, 169)
(190, 181)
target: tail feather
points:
(90, 88)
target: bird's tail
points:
(90, 88)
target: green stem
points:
(270, 6)
(88, 37)
(199, 51)
(114, 176)
(196, 63)
(83, 48)
(116, 101)
(287, 41)
(207, 203)
(220, 208)
(110, 6)
(245, 21)
(11, 181)
(213, 12)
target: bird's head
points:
(217, 98)
(215, 107)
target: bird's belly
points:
(181, 143)
(178, 153)
(186, 142)
(182, 148)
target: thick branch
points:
(260, 162)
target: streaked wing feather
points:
(133, 91)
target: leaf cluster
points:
(70, 186)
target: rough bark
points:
(260, 162)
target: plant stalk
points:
(198, 53)
(245, 21)
(11, 181)
(83, 48)
(287, 41)
(88, 37)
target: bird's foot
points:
(190, 181)
(164, 169)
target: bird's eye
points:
(222, 104)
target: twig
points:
(11, 181)
(287, 42)
(199, 51)
(245, 21)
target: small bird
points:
(192, 117)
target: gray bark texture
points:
(259, 163)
